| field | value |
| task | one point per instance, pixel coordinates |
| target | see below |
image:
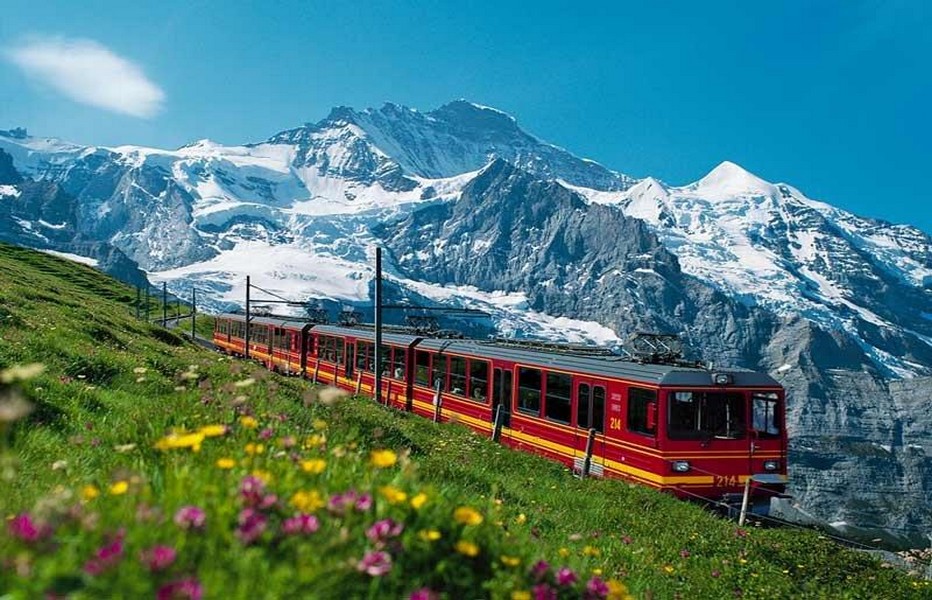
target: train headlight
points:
(771, 465)
(722, 379)
(680, 466)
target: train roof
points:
(365, 333)
(275, 321)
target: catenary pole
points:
(193, 313)
(246, 336)
(164, 304)
(378, 325)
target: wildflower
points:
(467, 548)
(251, 525)
(213, 430)
(418, 501)
(319, 424)
(596, 588)
(314, 466)
(244, 383)
(521, 595)
(23, 527)
(540, 570)
(181, 440)
(13, 408)
(248, 422)
(423, 594)
(302, 523)
(392, 494)
(313, 441)
(429, 535)
(140, 370)
(106, 556)
(89, 492)
(521, 519)
(307, 501)
(225, 463)
(158, 558)
(741, 533)
(119, 488)
(563, 552)
(591, 551)
(254, 449)
(566, 577)
(21, 372)
(383, 530)
(338, 503)
(59, 465)
(375, 564)
(684, 553)
(716, 573)
(184, 589)
(669, 569)
(617, 590)
(266, 433)
(597, 571)
(190, 517)
(124, 448)
(382, 459)
(467, 516)
(364, 502)
(510, 561)
(542, 591)
(627, 539)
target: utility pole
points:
(164, 304)
(147, 300)
(378, 324)
(138, 293)
(248, 285)
(193, 313)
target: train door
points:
(501, 395)
(590, 415)
(349, 355)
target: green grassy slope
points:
(88, 493)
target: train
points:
(717, 435)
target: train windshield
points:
(765, 419)
(706, 415)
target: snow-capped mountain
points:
(476, 212)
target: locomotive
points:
(682, 428)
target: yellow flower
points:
(119, 488)
(564, 552)
(521, 595)
(226, 463)
(382, 459)
(314, 466)
(307, 501)
(181, 440)
(248, 422)
(597, 572)
(320, 424)
(429, 535)
(21, 372)
(418, 501)
(253, 449)
(668, 568)
(212, 430)
(743, 561)
(89, 492)
(617, 590)
(467, 516)
(510, 561)
(392, 494)
(313, 441)
(591, 551)
(521, 519)
(467, 548)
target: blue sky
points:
(832, 97)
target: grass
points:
(305, 494)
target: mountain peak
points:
(729, 179)
(469, 115)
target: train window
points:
(398, 363)
(478, 380)
(766, 417)
(385, 357)
(598, 408)
(529, 381)
(364, 356)
(338, 350)
(557, 406)
(438, 372)
(704, 415)
(458, 375)
(583, 399)
(422, 368)
(640, 405)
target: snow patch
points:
(9, 191)
(84, 260)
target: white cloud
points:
(90, 73)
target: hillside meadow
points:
(136, 465)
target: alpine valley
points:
(475, 212)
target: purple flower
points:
(383, 530)
(183, 589)
(190, 517)
(338, 503)
(542, 591)
(251, 490)
(266, 433)
(684, 553)
(106, 556)
(596, 588)
(364, 503)
(540, 570)
(566, 577)
(300, 524)
(158, 558)
(252, 524)
(22, 527)
(423, 594)
(375, 564)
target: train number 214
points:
(726, 481)
(614, 423)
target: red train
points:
(686, 430)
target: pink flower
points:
(252, 524)
(338, 503)
(190, 517)
(566, 577)
(364, 502)
(22, 527)
(382, 531)
(684, 553)
(266, 434)
(158, 558)
(596, 588)
(741, 532)
(251, 490)
(542, 591)
(375, 564)
(540, 570)
(106, 556)
(300, 524)
(183, 589)
(423, 594)
(716, 573)
(627, 539)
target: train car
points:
(687, 430)
(280, 344)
